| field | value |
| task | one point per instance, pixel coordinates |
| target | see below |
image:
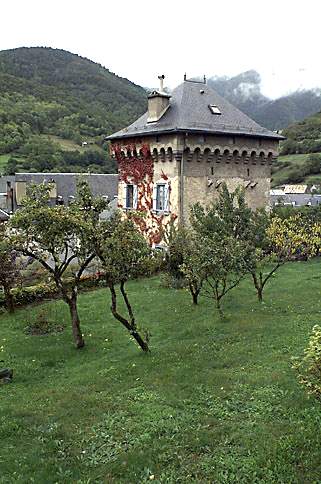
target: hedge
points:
(38, 292)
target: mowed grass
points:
(216, 401)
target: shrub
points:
(43, 325)
(174, 260)
(30, 294)
(308, 367)
(38, 292)
(172, 282)
(289, 147)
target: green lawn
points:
(216, 401)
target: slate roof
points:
(100, 184)
(296, 199)
(189, 112)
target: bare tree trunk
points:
(195, 297)
(8, 299)
(258, 286)
(130, 326)
(195, 294)
(73, 308)
(75, 322)
(219, 307)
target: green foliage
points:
(25, 295)
(121, 248)
(51, 92)
(174, 258)
(220, 254)
(9, 268)
(28, 294)
(309, 214)
(308, 366)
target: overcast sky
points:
(140, 39)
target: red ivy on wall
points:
(137, 167)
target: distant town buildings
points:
(295, 196)
(14, 188)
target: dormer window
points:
(214, 109)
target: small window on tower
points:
(161, 197)
(214, 109)
(130, 196)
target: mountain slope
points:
(47, 95)
(244, 91)
(301, 160)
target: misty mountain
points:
(244, 91)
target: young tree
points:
(191, 265)
(175, 240)
(277, 241)
(123, 252)
(9, 270)
(60, 239)
(228, 216)
(221, 254)
(222, 263)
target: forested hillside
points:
(56, 108)
(301, 160)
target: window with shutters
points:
(130, 197)
(161, 197)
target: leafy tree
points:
(222, 254)
(9, 270)
(277, 241)
(191, 265)
(60, 239)
(228, 216)
(175, 239)
(221, 263)
(123, 252)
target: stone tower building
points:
(182, 149)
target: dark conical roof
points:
(189, 111)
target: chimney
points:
(158, 102)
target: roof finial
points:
(161, 83)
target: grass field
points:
(3, 162)
(216, 401)
(282, 174)
(69, 145)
